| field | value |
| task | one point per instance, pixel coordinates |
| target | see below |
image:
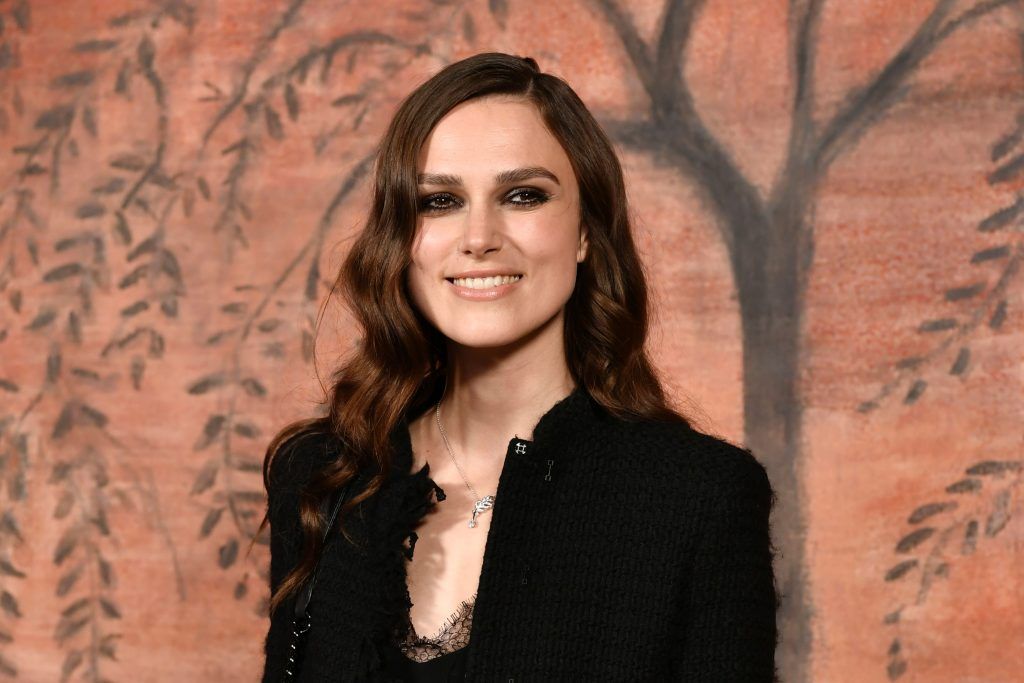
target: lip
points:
(482, 273)
(484, 294)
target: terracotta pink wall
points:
(181, 180)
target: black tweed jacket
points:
(618, 551)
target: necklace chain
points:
(444, 435)
(479, 504)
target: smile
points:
(484, 282)
(484, 288)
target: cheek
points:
(427, 253)
(428, 257)
(429, 250)
(552, 242)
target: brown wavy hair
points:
(400, 357)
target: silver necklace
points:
(481, 504)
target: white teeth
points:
(485, 282)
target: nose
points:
(481, 231)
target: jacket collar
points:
(554, 435)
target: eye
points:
(528, 196)
(436, 203)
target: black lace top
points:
(429, 659)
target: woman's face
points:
(497, 197)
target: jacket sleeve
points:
(729, 602)
(290, 471)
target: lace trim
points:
(454, 635)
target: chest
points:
(445, 568)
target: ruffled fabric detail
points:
(422, 496)
(401, 505)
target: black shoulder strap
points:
(338, 497)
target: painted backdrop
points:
(829, 202)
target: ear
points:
(581, 252)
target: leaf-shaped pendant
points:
(485, 503)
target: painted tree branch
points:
(675, 129)
(258, 55)
(636, 48)
(669, 69)
(663, 77)
(865, 105)
(804, 20)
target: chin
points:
(498, 336)
(483, 339)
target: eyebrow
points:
(515, 175)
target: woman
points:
(526, 506)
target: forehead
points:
(489, 134)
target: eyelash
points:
(540, 198)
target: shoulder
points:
(679, 452)
(297, 458)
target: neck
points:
(492, 396)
